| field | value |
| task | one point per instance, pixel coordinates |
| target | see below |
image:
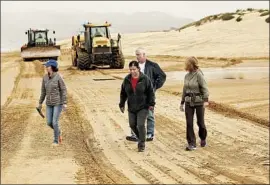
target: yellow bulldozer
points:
(96, 48)
(39, 46)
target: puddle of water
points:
(226, 73)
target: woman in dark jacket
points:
(137, 89)
(195, 97)
(54, 89)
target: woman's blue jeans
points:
(53, 114)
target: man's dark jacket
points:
(157, 76)
(141, 98)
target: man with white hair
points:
(157, 77)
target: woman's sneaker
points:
(55, 144)
(190, 148)
(149, 137)
(203, 143)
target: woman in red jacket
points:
(137, 89)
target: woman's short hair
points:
(54, 69)
(134, 63)
(192, 64)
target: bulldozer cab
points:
(38, 37)
(41, 37)
(98, 38)
(100, 31)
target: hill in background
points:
(66, 24)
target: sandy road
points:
(27, 156)
(165, 161)
(95, 149)
(25, 153)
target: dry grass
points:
(225, 17)
(175, 57)
(253, 58)
(239, 19)
(225, 109)
(264, 14)
(232, 112)
(234, 76)
(230, 75)
(233, 62)
(177, 62)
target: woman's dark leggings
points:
(189, 111)
(137, 124)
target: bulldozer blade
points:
(40, 52)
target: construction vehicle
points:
(96, 48)
(39, 46)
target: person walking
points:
(137, 89)
(158, 78)
(195, 97)
(54, 89)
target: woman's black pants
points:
(189, 112)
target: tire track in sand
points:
(11, 115)
(79, 134)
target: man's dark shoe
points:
(141, 149)
(132, 138)
(203, 143)
(149, 137)
(141, 146)
(190, 148)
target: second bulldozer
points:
(96, 48)
(39, 46)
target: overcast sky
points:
(189, 9)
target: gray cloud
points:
(190, 9)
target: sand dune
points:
(248, 38)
